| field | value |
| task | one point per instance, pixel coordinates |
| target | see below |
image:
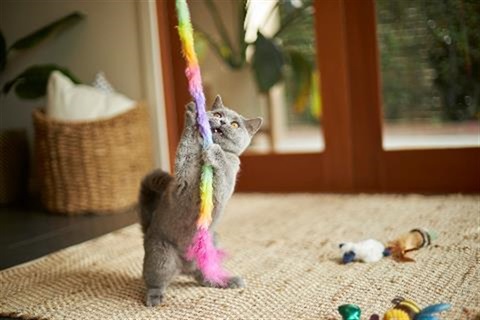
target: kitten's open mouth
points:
(217, 130)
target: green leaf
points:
(291, 17)
(219, 25)
(219, 48)
(38, 36)
(268, 62)
(32, 83)
(301, 79)
(3, 52)
(200, 45)
(242, 45)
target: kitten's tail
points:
(151, 190)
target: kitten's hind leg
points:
(160, 265)
(189, 268)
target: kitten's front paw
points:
(190, 114)
(235, 283)
(212, 154)
(191, 107)
(154, 297)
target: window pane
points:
(430, 60)
(269, 70)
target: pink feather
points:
(207, 257)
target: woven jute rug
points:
(285, 246)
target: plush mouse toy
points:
(367, 251)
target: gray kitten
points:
(169, 206)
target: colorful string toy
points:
(202, 250)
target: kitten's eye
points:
(217, 115)
(234, 124)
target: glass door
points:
(430, 67)
(335, 137)
(411, 75)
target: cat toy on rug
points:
(412, 241)
(408, 310)
(350, 312)
(372, 250)
(367, 251)
(403, 310)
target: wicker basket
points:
(93, 166)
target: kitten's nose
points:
(222, 122)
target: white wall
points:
(111, 38)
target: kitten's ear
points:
(253, 125)
(217, 104)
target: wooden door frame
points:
(353, 159)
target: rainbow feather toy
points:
(202, 250)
